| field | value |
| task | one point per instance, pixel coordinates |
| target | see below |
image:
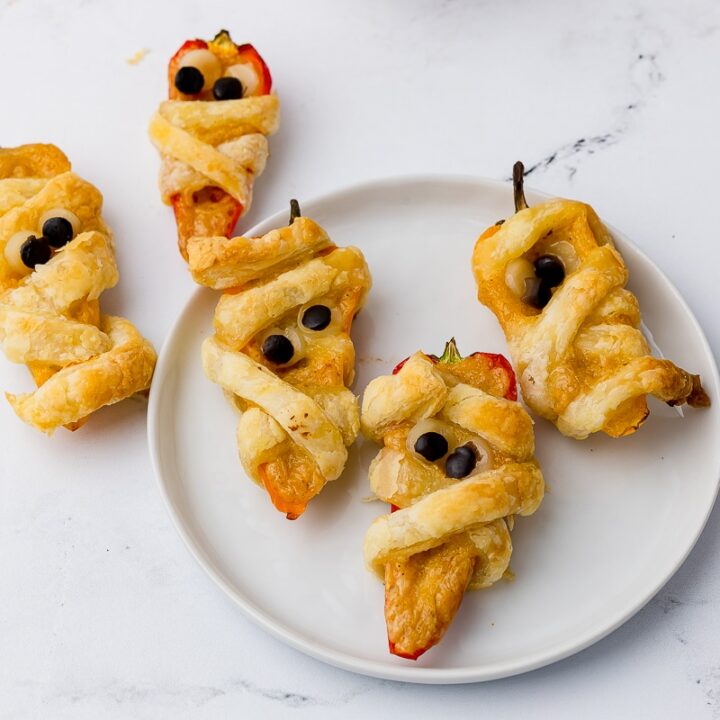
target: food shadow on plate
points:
(341, 496)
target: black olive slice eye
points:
(566, 253)
(431, 445)
(550, 269)
(58, 231)
(189, 80)
(461, 462)
(537, 293)
(12, 251)
(278, 349)
(316, 317)
(59, 225)
(35, 251)
(247, 75)
(206, 62)
(227, 88)
(517, 272)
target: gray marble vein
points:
(644, 76)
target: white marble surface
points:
(103, 613)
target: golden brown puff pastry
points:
(556, 283)
(457, 465)
(212, 134)
(283, 354)
(56, 258)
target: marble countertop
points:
(103, 613)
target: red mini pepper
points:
(477, 364)
(492, 373)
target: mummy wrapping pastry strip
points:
(556, 282)
(283, 354)
(212, 134)
(56, 258)
(456, 467)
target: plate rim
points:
(343, 660)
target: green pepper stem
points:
(518, 189)
(222, 36)
(294, 211)
(451, 354)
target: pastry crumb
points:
(138, 57)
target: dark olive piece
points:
(227, 88)
(189, 80)
(35, 251)
(317, 317)
(278, 349)
(431, 445)
(461, 462)
(518, 186)
(550, 269)
(58, 231)
(537, 293)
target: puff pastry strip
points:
(446, 535)
(583, 361)
(298, 417)
(212, 150)
(50, 317)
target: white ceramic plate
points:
(618, 520)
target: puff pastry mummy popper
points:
(556, 282)
(211, 135)
(456, 466)
(50, 315)
(283, 354)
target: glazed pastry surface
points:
(50, 317)
(582, 359)
(213, 149)
(298, 415)
(445, 534)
